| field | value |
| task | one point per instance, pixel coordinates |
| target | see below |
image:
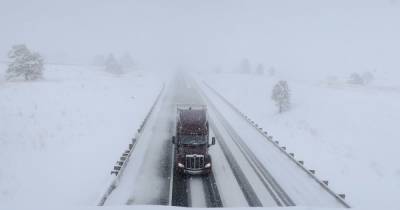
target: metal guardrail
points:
(283, 149)
(121, 164)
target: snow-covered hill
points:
(60, 137)
(347, 132)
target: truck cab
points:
(192, 140)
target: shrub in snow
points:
(112, 65)
(356, 79)
(281, 96)
(218, 70)
(245, 66)
(271, 71)
(260, 69)
(24, 63)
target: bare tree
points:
(281, 96)
(112, 65)
(271, 71)
(245, 66)
(368, 77)
(24, 63)
(217, 69)
(127, 62)
(260, 69)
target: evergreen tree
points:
(24, 63)
(281, 96)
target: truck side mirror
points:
(173, 140)
(213, 141)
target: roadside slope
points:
(60, 137)
(345, 132)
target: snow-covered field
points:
(60, 137)
(348, 133)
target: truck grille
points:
(194, 161)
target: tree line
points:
(24, 63)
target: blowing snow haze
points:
(295, 36)
(199, 103)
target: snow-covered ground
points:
(147, 207)
(60, 137)
(348, 133)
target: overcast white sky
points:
(293, 35)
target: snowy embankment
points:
(348, 133)
(149, 207)
(60, 137)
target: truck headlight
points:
(180, 165)
(208, 165)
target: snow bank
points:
(60, 137)
(149, 207)
(348, 133)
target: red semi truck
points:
(192, 140)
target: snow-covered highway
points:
(247, 169)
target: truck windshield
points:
(193, 139)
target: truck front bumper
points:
(197, 171)
(191, 171)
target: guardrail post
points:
(312, 171)
(326, 182)
(284, 148)
(342, 196)
(301, 162)
(291, 154)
